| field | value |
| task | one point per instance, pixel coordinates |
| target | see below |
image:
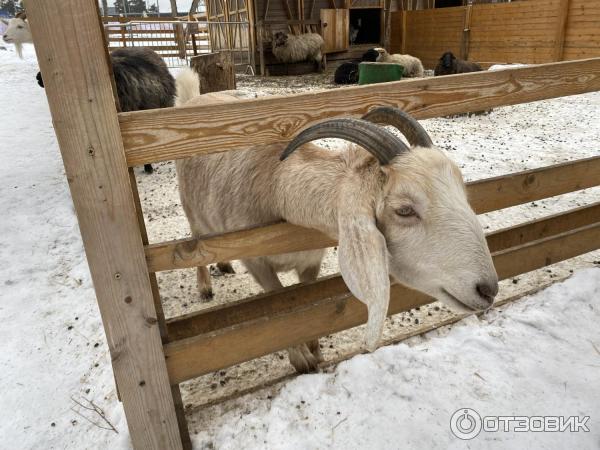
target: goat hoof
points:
(306, 357)
(148, 168)
(225, 267)
(206, 294)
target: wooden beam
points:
(198, 355)
(299, 295)
(485, 195)
(172, 133)
(78, 86)
(514, 189)
(561, 29)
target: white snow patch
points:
(537, 357)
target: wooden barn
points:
(348, 27)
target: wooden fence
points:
(151, 356)
(527, 31)
(172, 39)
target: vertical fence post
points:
(466, 34)
(79, 89)
(561, 30)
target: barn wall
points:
(527, 31)
(582, 38)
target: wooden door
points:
(335, 29)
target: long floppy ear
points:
(4, 21)
(363, 263)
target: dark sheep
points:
(347, 73)
(142, 79)
(450, 64)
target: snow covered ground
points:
(536, 357)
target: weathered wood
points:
(194, 356)
(78, 86)
(521, 187)
(561, 29)
(285, 300)
(485, 195)
(216, 71)
(172, 133)
(543, 228)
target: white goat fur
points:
(412, 65)
(17, 33)
(349, 196)
(300, 48)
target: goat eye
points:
(20, 27)
(406, 211)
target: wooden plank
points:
(514, 189)
(171, 133)
(222, 348)
(299, 295)
(87, 129)
(484, 195)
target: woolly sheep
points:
(450, 64)
(412, 65)
(142, 79)
(347, 72)
(395, 210)
(289, 48)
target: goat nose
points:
(487, 291)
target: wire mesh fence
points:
(176, 41)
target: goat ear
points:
(363, 260)
(4, 21)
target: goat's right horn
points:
(376, 140)
(404, 122)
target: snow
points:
(540, 356)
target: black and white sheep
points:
(142, 79)
(347, 73)
(450, 64)
(288, 48)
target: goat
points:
(450, 64)
(289, 48)
(18, 32)
(395, 210)
(412, 65)
(347, 72)
(142, 79)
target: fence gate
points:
(229, 26)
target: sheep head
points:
(17, 33)
(405, 215)
(280, 39)
(383, 54)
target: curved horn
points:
(376, 140)
(405, 123)
(22, 15)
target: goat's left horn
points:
(376, 140)
(404, 122)
(22, 15)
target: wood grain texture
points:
(222, 348)
(172, 133)
(300, 295)
(82, 104)
(484, 195)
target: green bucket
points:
(373, 72)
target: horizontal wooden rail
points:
(485, 195)
(285, 300)
(194, 356)
(172, 133)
